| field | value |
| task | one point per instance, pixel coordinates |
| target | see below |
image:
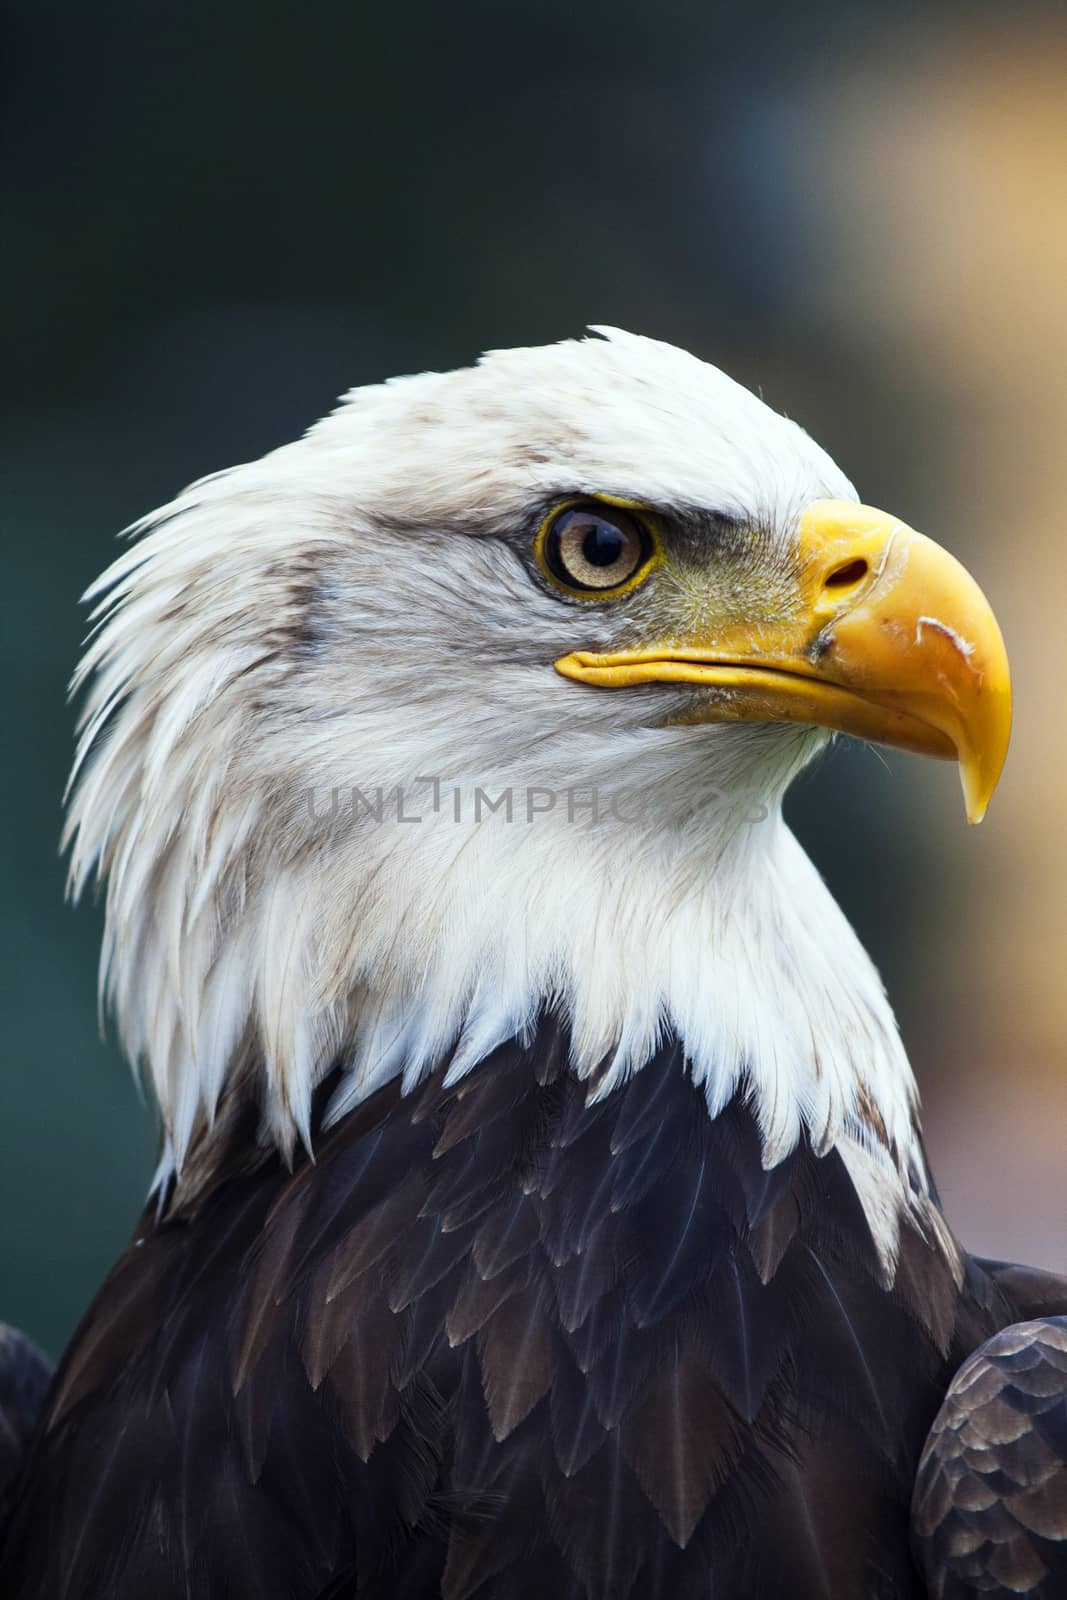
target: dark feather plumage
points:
(498, 1343)
(25, 1374)
(990, 1513)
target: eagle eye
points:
(596, 550)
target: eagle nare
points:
(542, 1203)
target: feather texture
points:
(470, 1354)
(990, 1506)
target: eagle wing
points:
(989, 1514)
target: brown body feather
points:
(496, 1343)
(990, 1509)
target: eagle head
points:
(482, 699)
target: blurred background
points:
(218, 218)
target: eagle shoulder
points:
(989, 1512)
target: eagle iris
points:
(593, 549)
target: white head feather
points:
(357, 610)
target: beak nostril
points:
(844, 577)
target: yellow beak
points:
(890, 639)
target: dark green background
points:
(218, 218)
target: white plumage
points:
(358, 609)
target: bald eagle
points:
(542, 1207)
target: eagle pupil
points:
(602, 545)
